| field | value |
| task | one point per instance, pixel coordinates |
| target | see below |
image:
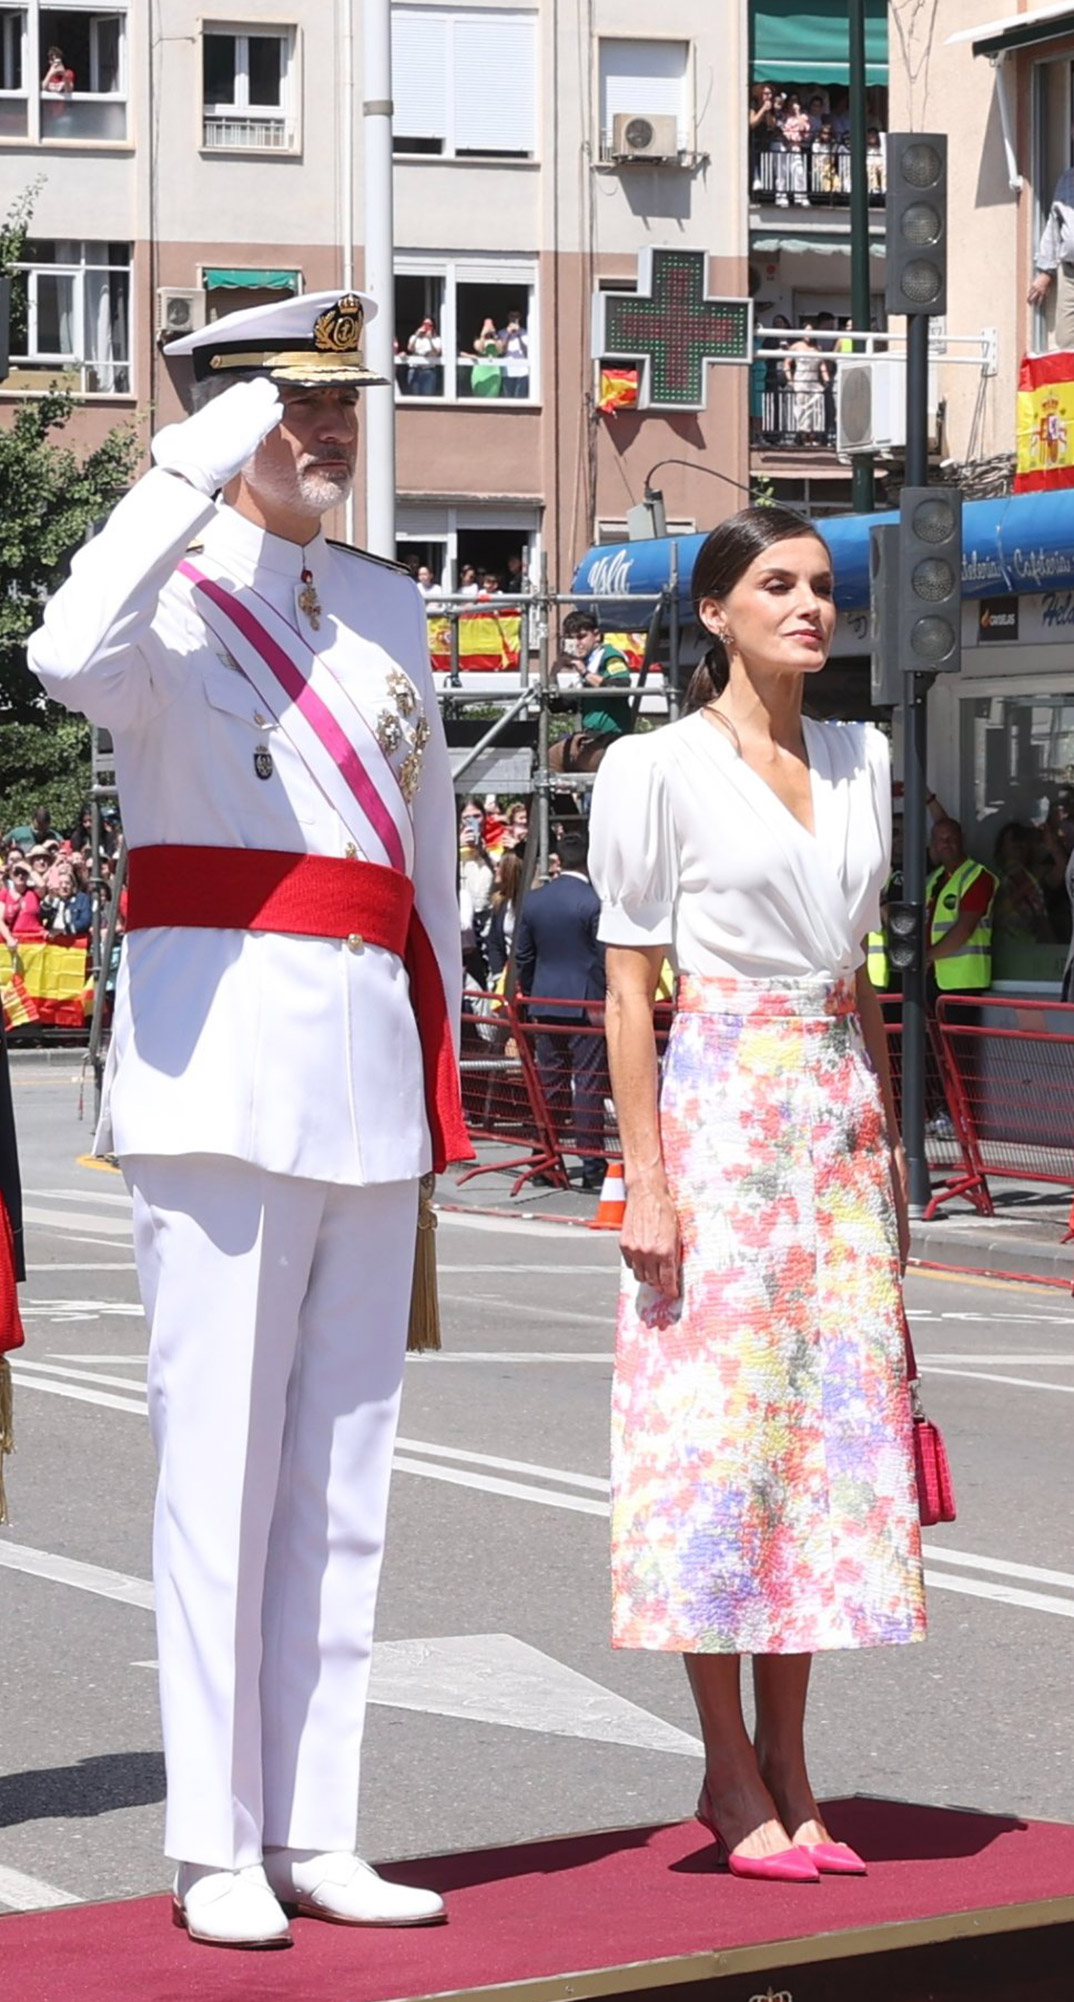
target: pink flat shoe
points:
(786, 1866)
(836, 1859)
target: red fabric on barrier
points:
(554, 1908)
(312, 896)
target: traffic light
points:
(929, 609)
(916, 247)
(885, 674)
(906, 937)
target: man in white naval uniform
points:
(267, 1093)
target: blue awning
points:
(1024, 543)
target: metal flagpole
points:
(379, 404)
(346, 179)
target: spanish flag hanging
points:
(618, 390)
(1045, 423)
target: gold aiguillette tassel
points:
(424, 1329)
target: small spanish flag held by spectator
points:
(618, 389)
(1045, 423)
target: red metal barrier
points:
(949, 1140)
(501, 1094)
(1010, 1071)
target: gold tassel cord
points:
(7, 1433)
(424, 1329)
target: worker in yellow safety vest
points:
(959, 894)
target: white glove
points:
(209, 448)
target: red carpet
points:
(551, 1908)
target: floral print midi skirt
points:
(763, 1491)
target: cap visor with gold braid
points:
(304, 341)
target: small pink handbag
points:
(935, 1492)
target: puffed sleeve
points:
(633, 853)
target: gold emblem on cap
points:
(338, 330)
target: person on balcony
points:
(807, 373)
(1055, 260)
(424, 365)
(797, 132)
(515, 349)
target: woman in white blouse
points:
(763, 1493)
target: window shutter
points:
(495, 85)
(419, 73)
(643, 77)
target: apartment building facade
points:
(191, 162)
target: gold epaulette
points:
(384, 562)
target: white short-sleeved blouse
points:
(691, 850)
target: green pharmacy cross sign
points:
(671, 328)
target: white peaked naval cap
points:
(314, 338)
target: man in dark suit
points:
(560, 961)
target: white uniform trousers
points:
(277, 1310)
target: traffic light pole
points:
(915, 796)
(861, 465)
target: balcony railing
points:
(476, 379)
(223, 133)
(818, 178)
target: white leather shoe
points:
(341, 1887)
(228, 1907)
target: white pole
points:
(379, 404)
(346, 178)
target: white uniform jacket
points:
(297, 1054)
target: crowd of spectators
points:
(480, 582)
(793, 380)
(800, 144)
(46, 890)
(497, 363)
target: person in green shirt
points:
(600, 666)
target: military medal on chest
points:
(402, 732)
(307, 602)
(263, 764)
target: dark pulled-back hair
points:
(722, 559)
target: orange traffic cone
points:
(611, 1208)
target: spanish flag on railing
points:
(1045, 423)
(49, 985)
(489, 642)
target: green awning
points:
(807, 41)
(251, 281)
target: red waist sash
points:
(313, 896)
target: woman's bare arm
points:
(649, 1240)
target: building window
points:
(644, 85)
(466, 332)
(70, 318)
(246, 89)
(78, 54)
(464, 83)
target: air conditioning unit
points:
(180, 311)
(870, 404)
(644, 135)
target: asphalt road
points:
(501, 1712)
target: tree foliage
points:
(52, 499)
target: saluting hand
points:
(208, 449)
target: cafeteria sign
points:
(1045, 423)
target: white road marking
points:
(556, 1271)
(23, 1374)
(505, 1466)
(93, 1265)
(510, 1355)
(82, 1196)
(527, 1307)
(514, 1490)
(82, 1577)
(937, 1553)
(70, 1375)
(1025, 1362)
(1007, 1595)
(525, 1225)
(77, 1220)
(497, 1679)
(987, 1376)
(57, 1355)
(1064, 1320)
(29, 1894)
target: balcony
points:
(82, 115)
(818, 177)
(223, 133)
